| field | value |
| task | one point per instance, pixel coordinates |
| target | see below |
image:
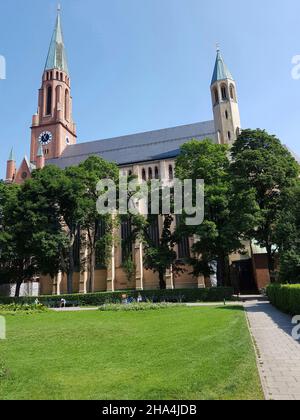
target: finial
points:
(59, 8)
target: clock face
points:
(45, 138)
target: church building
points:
(147, 155)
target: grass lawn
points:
(178, 353)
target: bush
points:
(285, 297)
(155, 296)
(136, 307)
(14, 308)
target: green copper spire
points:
(57, 57)
(221, 71)
(40, 152)
(11, 156)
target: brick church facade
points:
(147, 155)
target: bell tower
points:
(52, 126)
(225, 103)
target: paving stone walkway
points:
(278, 353)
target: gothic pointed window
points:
(49, 101)
(150, 173)
(156, 173)
(144, 175)
(232, 92)
(216, 96)
(126, 236)
(171, 172)
(67, 105)
(224, 92)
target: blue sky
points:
(138, 65)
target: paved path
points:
(278, 352)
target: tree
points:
(99, 228)
(160, 257)
(264, 167)
(221, 232)
(287, 235)
(16, 264)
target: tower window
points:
(150, 173)
(216, 95)
(171, 172)
(232, 92)
(229, 135)
(67, 110)
(226, 114)
(224, 93)
(144, 175)
(49, 101)
(57, 75)
(156, 173)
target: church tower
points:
(53, 127)
(225, 103)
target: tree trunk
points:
(70, 271)
(221, 269)
(162, 282)
(271, 262)
(92, 265)
(18, 288)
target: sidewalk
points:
(278, 352)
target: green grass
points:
(179, 353)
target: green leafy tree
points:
(287, 234)
(263, 167)
(16, 264)
(98, 228)
(221, 232)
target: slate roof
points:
(57, 56)
(135, 148)
(221, 71)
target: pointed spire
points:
(11, 156)
(221, 71)
(57, 57)
(40, 152)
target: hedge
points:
(285, 297)
(97, 299)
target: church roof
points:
(221, 71)
(142, 147)
(57, 57)
(11, 156)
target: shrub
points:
(14, 308)
(285, 297)
(156, 296)
(136, 307)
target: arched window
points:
(67, 105)
(171, 172)
(130, 173)
(156, 173)
(49, 101)
(229, 135)
(150, 173)
(51, 75)
(232, 92)
(61, 77)
(57, 75)
(224, 92)
(216, 95)
(58, 94)
(144, 175)
(226, 114)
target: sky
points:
(139, 65)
